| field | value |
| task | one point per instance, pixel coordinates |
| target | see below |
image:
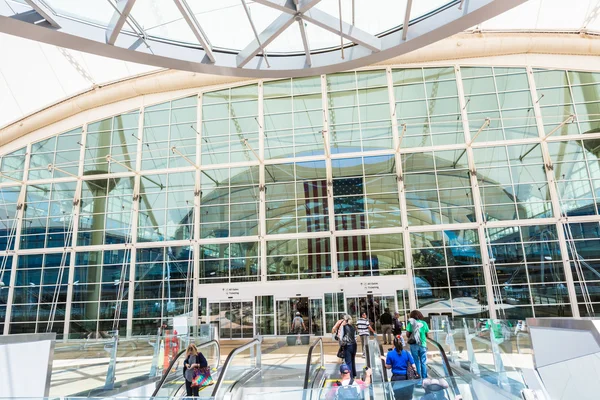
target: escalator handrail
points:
(447, 365)
(231, 355)
(309, 358)
(383, 367)
(176, 358)
(444, 357)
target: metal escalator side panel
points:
(217, 387)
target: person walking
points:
(396, 324)
(193, 360)
(416, 331)
(363, 326)
(347, 337)
(386, 326)
(398, 360)
(298, 326)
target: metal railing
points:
(307, 374)
(255, 343)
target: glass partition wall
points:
(471, 189)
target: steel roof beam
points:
(123, 8)
(304, 40)
(44, 11)
(192, 22)
(283, 6)
(255, 31)
(349, 32)
(272, 31)
(406, 19)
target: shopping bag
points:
(202, 377)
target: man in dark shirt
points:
(386, 326)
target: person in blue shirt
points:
(397, 360)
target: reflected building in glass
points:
(467, 191)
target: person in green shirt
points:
(416, 331)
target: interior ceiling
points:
(55, 73)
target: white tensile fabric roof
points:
(35, 75)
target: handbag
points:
(411, 373)
(411, 338)
(202, 377)
(340, 353)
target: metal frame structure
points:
(37, 21)
(480, 224)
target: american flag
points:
(350, 214)
(315, 202)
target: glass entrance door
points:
(316, 317)
(311, 311)
(235, 319)
(373, 305)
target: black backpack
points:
(347, 392)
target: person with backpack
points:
(346, 334)
(348, 388)
(400, 361)
(416, 331)
(298, 326)
(396, 324)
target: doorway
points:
(373, 305)
(235, 319)
(311, 311)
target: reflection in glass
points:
(448, 275)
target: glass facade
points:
(472, 189)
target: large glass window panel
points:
(576, 170)
(9, 197)
(106, 211)
(229, 262)
(437, 186)
(512, 182)
(370, 255)
(12, 166)
(230, 125)
(296, 197)
(229, 202)
(433, 97)
(168, 125)
(529, 268)
(298, 259)
(96, 291)
(116, 137)
(363, 193)
(61, 151)
(448, 275)
(48, 216)
(358, 111)
(40, 282)
(163, 286)
(290, 115)
(166, 206)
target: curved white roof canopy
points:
(253, 44)
(34, 75)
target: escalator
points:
(255, 379)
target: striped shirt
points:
(362, 325)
